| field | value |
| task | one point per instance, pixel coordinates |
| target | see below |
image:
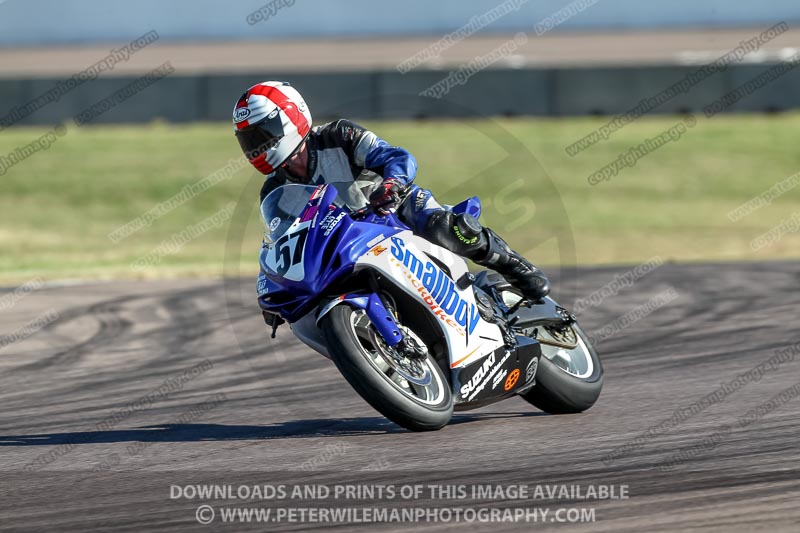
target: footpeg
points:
(466, 281)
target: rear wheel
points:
(569, 377)
(413, 393)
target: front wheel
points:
(569, 377)
(412, 393)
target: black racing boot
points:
(517, 270)
(464, 235)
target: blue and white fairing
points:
(311, 243)
(411, 262)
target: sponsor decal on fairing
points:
(530, 372)
(376, 240)
(330, 222)
(512, 379)
(436, 289)
(495, 370)
(498, 378)
(378, 250)
(479, 375)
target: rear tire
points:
(356, 365)
(558, 392)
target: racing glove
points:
(385, 198)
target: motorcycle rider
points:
(273, 126)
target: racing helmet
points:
(270, 120)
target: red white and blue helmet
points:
(271, 120)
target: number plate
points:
(286, 256)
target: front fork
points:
(383, 320)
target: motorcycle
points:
(410, 328)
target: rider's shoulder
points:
(340, 131)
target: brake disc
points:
(411, 369)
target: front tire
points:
(558, 391)
(354, 348)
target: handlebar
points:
(361, 213)
(364, 211)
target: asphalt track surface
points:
(81, 450)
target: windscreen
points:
(281, 208)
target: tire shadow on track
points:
(295, 429)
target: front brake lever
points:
(361, 213)
(364, 211)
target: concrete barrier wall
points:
(375, 95)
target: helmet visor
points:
(258, 138)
